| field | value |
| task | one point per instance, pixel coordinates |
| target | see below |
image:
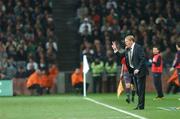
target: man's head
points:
(156, 50)
(178, 46)
(129, 40)
(77, 70)
(21, 69)
(97, 60)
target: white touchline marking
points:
(114, 108)
(162, 108)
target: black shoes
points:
(128, 100)
(158, 98)
(139, 108)
(136, 108)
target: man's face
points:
(128, 43)
(178, 48)
(155, 50)
(77, 71)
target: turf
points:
(75, 107)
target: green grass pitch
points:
(76, 107)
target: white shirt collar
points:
(132, 47)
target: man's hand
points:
(114, 46)
(150, 60)
(136, 71)
(171, 69)
(121, 76)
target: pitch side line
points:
(114, 108)
(162, 108)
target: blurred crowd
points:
(28, 43)
(27, 40)
(152, 22)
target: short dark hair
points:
(156, 46)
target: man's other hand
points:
(114, 46)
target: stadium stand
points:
(152, 22)
(27, 37)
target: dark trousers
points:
(140, 84)
(158, 84)
(172, 87)
(79, 87)
(97, 84)
(111, 84)
(37, 88)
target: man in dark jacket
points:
(135, 57)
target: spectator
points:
(98, 50)
(97, 68)
(33, 83)
(11, 69)
(19, 81)
(21, 57)
(53, 73)
(52, 44)
(111, 4)
(85, 27)
(32, 64)
(87, 50)
(157, 68)
(51, 55)
(111, 70)
(77, 81)
(82, 11)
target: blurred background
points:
(42, 42)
